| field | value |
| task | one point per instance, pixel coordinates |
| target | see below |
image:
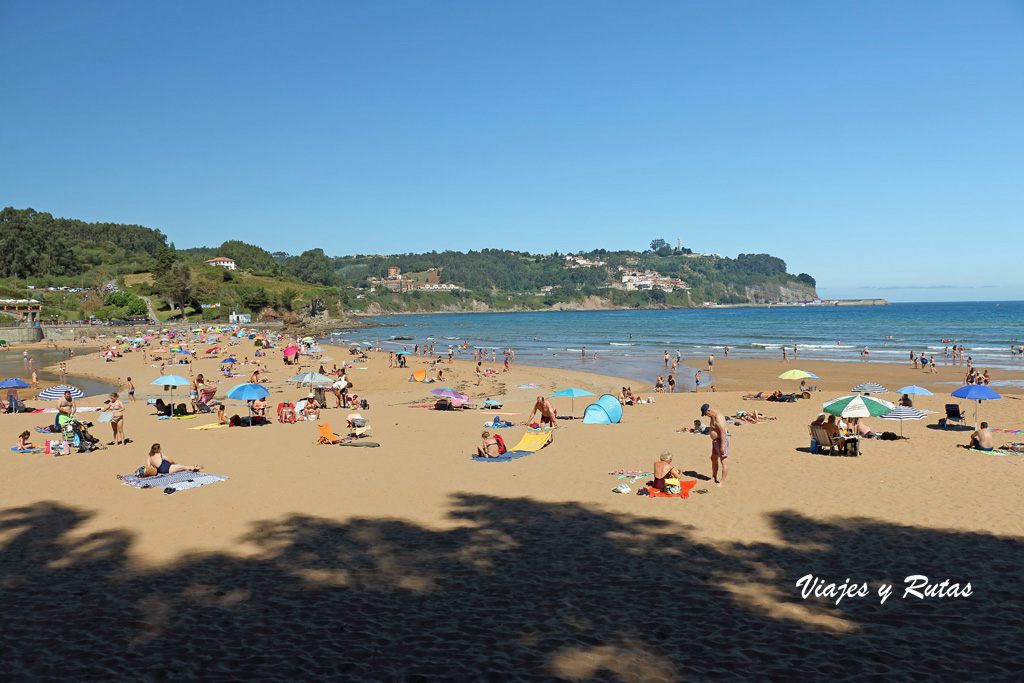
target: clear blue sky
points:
(878, 145)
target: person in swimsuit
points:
(546, 410)
(982, 439)
(719, 442)
(489, 448)
(23, 441)
(663, 470)
(117, 423)
(131, 390)
(165, 466)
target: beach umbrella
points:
(229, 360)
(171, 381)
(248, 392)
(857, 406)
(448, 393)
(215, 348)
(976, 392)
(14, 383)
(572, 394)
(310, 378)
(797, 374)
(291, 350)
(913, 390)
(869, 388)
(902, 413)
(181, 351)
(401, 353)
(57, 392)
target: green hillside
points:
(69, 264)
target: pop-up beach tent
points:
(606, 411)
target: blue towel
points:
(510, 455)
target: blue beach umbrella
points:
(572, 394)
(248, 392)
(229, 360)
(171, 381)
(57, 392)
(14, 383)
(914, 390)
(976, 392)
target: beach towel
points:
(353, 442)
(107, 417)
(163, 480)
(529, 386)
(184, 417)
(510, 455)
(685, 493)
(213, 426)
(27, 450)
(996, 451)
(531, 442)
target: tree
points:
(658, 244)
(313, 266)
(806, 279)
(176, 285)
(165, 258)
(317, 307)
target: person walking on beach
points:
(784, 359)
(794, 351)
(711, 362)
(696, 378)
(666, 359)
(35, 379)
(131, 390)
(671, 384)
(719, 442)
(583, 354)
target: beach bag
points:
(57, 447)
(672, 486)
(235, 421)
(501, 444)
(364, 404)
(889, 436)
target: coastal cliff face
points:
(774, 292)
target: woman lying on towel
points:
(767, 395)
(164, 466)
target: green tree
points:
(177, 285)
(658, 244)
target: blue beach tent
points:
(606, 411)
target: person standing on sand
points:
(711, 362)
(666, 359)
(696, 378)
(35, 379)
(719, 442)
(726, 351)
(794, 351)
(784, 354)
(546, 410)
(479, 371)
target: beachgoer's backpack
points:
(364, 404)
(501, 444)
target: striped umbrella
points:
(857, 406)
(449, 393)
(56, 393)
(902, 413)
(869, 388)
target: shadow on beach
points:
(523, 591)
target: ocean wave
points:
(622, 344)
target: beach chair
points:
(327, 436)
(285, 412)
(205, 402)
(359, 425)
(822, 441)
(954, 414)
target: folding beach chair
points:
(359, 425)
(954, 414)
(327, 437)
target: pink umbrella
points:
(215, 348)
(291, 350)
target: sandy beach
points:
(413, 562)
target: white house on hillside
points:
(222, 262)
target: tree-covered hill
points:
(42, 251)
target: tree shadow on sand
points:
(523, 590)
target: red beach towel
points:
(685, 493)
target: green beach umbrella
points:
(857, 406)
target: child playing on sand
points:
(23, 441)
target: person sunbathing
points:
(663, 471)
(165, 466)
(489, 447)
(312, 409)
(982, 439)
(697, 428)
(763, 394)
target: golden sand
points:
(412, 562)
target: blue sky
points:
(876, 145)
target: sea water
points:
(13, 364)
(632, 343)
